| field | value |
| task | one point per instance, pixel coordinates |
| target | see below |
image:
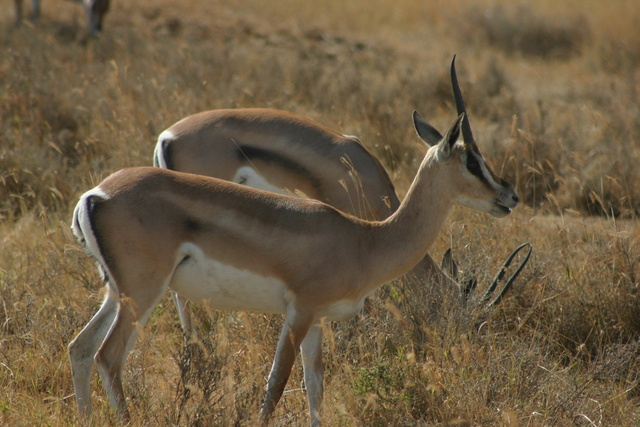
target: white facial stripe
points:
(489, 176)
(505, 196)
(486, 175)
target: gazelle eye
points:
(473, 166)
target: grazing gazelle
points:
(282, 152)
(285, 153)
(94, 10)
(245, 249)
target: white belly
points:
(343, 309)
(226, 287)
(249, 177)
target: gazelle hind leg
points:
(83, 349)
(311, 350)
(113, 352)
(296, 326)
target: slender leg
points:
(296, 326)
(35, 10)
(113, 352)
(185, 316)
(84, 347)
(311, 349)
(18, 11)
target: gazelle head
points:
(493, 195)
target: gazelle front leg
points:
(185, 316)
(295, 328)
(313, 371)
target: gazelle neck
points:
(402, 240)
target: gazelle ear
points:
(426, 132)
(451, 137)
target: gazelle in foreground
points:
(245, 249)
(285, 153)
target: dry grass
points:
(552, 90)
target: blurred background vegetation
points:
(552, 90)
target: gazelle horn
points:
(457, 95)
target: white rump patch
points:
(198, 278)
(158, 152)
(83, 229)
(81, 225)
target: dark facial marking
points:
(473, 166)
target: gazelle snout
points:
(506, 200)
(511, 193)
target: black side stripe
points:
(248, 153)
(167, 154)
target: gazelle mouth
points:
(503, 208)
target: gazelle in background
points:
(35, 10)
(285, 153)
(279, 151)
(244, 249)
(94, 10)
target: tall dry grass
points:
(552, 91)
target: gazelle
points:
(35, 10)
(245, 249)
(285, 153)
(279, 151)
(94, 10)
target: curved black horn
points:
(457, 95)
